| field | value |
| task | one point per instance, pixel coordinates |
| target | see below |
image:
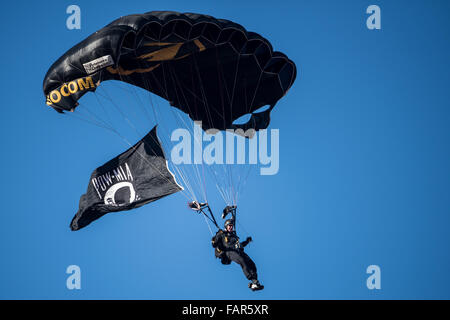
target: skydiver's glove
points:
(196, 206)
(247, 241)
(227, 210)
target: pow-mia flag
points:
(136, 177)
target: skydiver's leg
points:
(250, 266)
(247, 264)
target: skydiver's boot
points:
(255, 285)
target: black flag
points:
(136, 177)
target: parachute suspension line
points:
(95, 120)
(228, 176)
(91, 122)
(143, 157)
(243, 183)
(233, 91)
(223, 190)
(231, 115)
(177, 169)
(242, 226)
(229, 172)
(221, 193)
(209, 227)
(204, 96)
(201, 181)
(245, 171)
(234, 85)
(219, 80)
(167, 98)
(124, 117)
(233, 191)
(208, 113)
(173, 74)
(180, 169)
(141, 105)
(146, 160)
(103, 108)
(214, 175)
(201, 87)
(94, 116)
(108, 97)
(181, 176)
(114, 130)
(231, 98)
(187, 127)
(243, 176)
(204, 180)
(228, 185)
(221, 86)
(256, 91)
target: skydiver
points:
(228, 249)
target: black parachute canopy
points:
(136, 177)
(212, 69)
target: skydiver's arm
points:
(215, 241)
(246, 242)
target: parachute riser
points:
(210, 216)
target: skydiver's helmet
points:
(229, 222)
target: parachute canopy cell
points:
(212, 69)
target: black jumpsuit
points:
(228, 248)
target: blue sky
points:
(364, 164)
